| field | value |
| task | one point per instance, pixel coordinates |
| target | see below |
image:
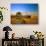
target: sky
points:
(24, 7)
